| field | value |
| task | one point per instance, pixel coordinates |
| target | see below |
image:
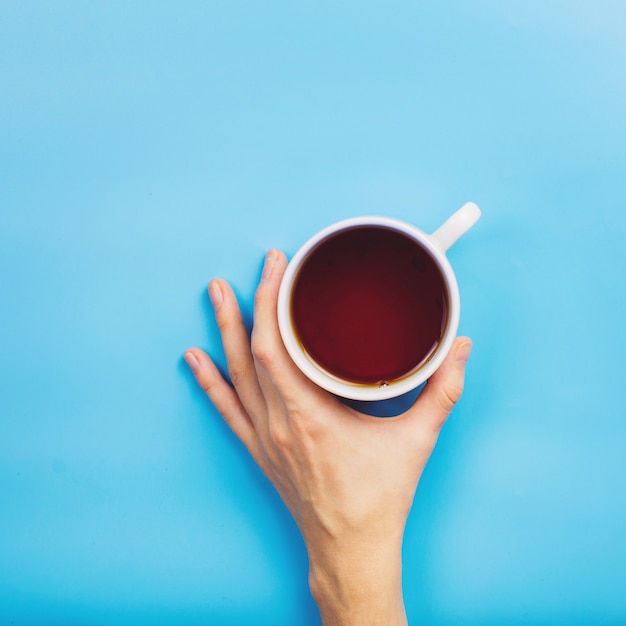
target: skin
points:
(347, 478)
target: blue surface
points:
(148, 147)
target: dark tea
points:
(369, 305)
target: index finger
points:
(267, 344)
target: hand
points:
(347, 478)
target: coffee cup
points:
(369, 307)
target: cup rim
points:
(356, 391)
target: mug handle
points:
(455, 226)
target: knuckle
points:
(305, 428)
(278, 434)
(223, 323)
(259, 297)
(238, 374)
(210, 385)
(449, 396)
(307, 432)
(261, 349)
(299, 423)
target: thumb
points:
(444, 387)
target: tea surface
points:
(369, 305)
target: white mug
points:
(435, 245)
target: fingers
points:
(236, 345)
(223, 396)
(266, 341)
(444, 388)
(267, 345)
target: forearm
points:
(359, 585)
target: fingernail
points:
(270, 261)
(463, 352)
(192, 361)
(216, 295)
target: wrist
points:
(359, 583)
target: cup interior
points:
(319, 261)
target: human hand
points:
(347, 478)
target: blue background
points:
(148, 147)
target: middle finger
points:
(236, 343)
